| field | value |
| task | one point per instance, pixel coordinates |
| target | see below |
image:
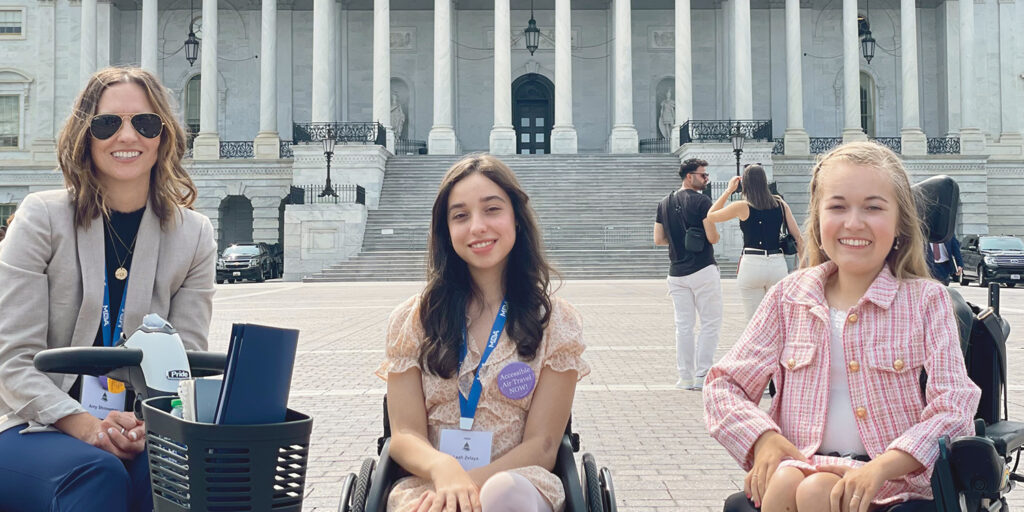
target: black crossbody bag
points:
(695, 239)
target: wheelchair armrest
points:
(384, 477)
(565, 469)
(1008, 436)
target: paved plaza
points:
(627, 412)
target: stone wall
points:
(319, 235)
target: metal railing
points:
(716, 188)
(721, 130)
(237, 149)
(893, 143)
(627, 236)
(943, 145)
(655, 146)
(824, 144)
(361, 133)
(286, 149)
(310, 194)
(410, 147)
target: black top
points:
(690, 208)
(126, 225)
(761, 230)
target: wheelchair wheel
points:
(362, 486)
(608, 491)
(591, 484)
(346, 493)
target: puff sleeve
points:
(403, 339)
(564, 340)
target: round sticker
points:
(516, 380)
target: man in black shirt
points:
(693, 278)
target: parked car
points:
(992, 259)
(248, 260)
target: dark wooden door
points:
(533, 128)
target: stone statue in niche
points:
(397, 115)
(666, 116)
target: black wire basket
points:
(220, 468)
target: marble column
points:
(743, 102)
(624, 138)
(563, 134)
(852, 130)
(323, 95)
(914, 141)
(796, 140)
(442, 140)
(150, 37)
(267, 143)
(87, 56)
(503, 136)
(44, 51)
(206, 145)
(684, 69)
(972, 139)
(382, 69)
(1011, 86)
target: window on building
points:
(192, 95)
(11, 21)
(867, 104)
(10, 120)
(6, 209)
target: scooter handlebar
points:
(104, 360)
(86, 360)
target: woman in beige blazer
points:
(120, 237)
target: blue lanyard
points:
(110, 337)
(467, 405)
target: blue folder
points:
(257, 376)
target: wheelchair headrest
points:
(938, 201)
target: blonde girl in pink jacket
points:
(845, 340)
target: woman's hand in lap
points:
(857, 487)
(454, 489)
(124, 433)
(769, 450)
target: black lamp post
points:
(737, 147)
(532, 33)
(867, 43)
(191, 44)
(328, 142)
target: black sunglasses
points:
(104, 126)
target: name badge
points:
(98, 399)
(471, 448)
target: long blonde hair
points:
(906, 259)
(169, 183)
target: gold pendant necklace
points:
(121, 273)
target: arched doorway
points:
(533, 113)
(235, 221)
(192, 100)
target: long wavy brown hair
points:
(449, 285)
(906, 259)
(169, 183)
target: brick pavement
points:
(627, 412)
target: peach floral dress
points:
(560, 349)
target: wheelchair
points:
(972, 473)
(368, 491)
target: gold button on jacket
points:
(791, 363)
(852, 318)
(854, 366)
(898, 365)
(861, 412)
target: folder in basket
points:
(257, 375)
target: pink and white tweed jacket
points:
(898, 328)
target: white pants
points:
(758, 273)
(699, 293)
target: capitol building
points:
(260, 84)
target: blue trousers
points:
(52, 471)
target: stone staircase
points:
(596, 211)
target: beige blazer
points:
(51, 295)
